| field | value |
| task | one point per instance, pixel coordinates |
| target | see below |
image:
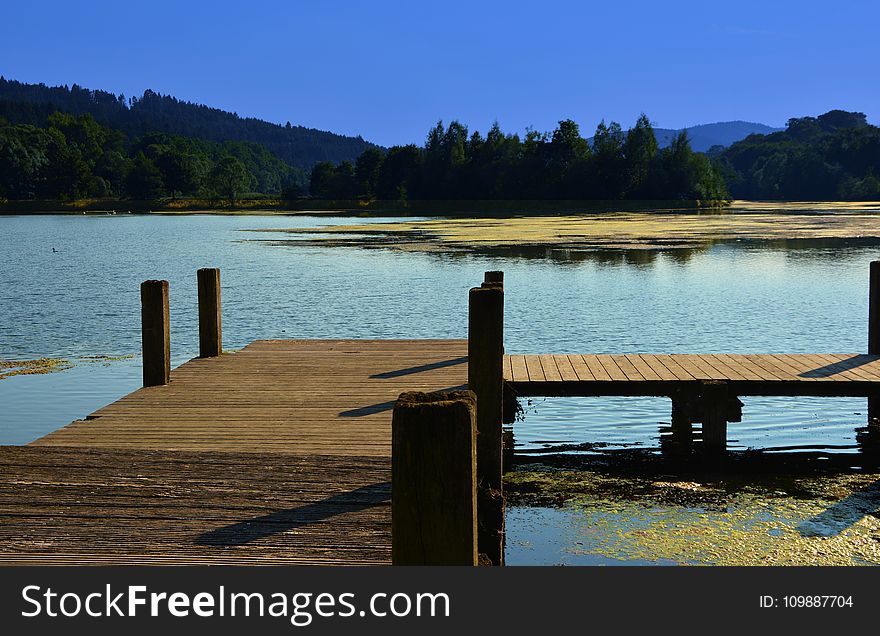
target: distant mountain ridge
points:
(298, 146)
(723, 133)
(704, 136)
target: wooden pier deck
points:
(279, 453)
(840, 375)
(305, 397)
(86, 506)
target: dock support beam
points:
(210, 329)
(874, 335)
(433, 479)
(713, 404)
(155, 332)
(682, 427)
(486, 380)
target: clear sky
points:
(389, 70)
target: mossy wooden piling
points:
(486, 380)
(874, 336)
(210, 324)
(433, 479)
(155, 332)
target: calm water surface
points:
(83, 300)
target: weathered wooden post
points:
(874, 335)
(210, 329)
(510, 407)
(485, 379)
(433, 479)
(155, 332)
(490, 278)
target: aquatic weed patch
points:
(9, 368)
(776, 520)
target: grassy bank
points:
(268, 205)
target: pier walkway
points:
(282, 452)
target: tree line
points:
(456, 164)
(73, 156)
(298, 146)
(832, 156)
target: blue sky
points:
(389, 70)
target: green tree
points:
(640, 149)
(230, 178)
(608, 161)
(367, 170)
(321, 180)
(144, 179)
(400, 173)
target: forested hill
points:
(832, 156)
(297, 146)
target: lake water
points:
(83, 300)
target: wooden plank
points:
(674, 367)
(519, 371)
(596, 368)
(643, 367)
(81, 506)
(732, 362)
(536, 371)
(728, 367)
(770, 371)
(657, 368)
(610, 365)
(566, 370)
(632, 374)
(299, 397)
(838, 369)
(691, 365)
(581, 369)
(792, 372)
(802, 365)
(867, 366)
(551, 371)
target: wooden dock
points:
(279, 453)
(829, 375)
(282, 452)
(86, 506)
(305, 397)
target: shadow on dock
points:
(853, 362)
(419, 369)
(363, 411)
(245, 532)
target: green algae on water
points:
(9, 368)
(831, 519)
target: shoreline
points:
(462, 208)
(319, 207)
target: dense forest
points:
(454, 164)
(832, 156)
(297, 146)
(70, 143)
(73, 156)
